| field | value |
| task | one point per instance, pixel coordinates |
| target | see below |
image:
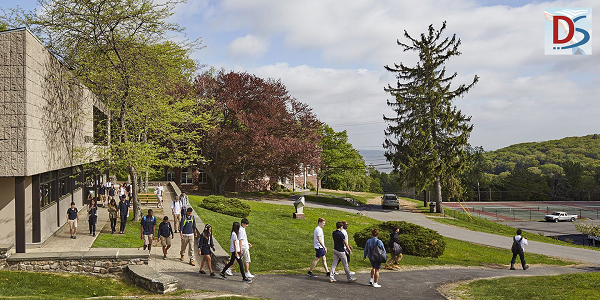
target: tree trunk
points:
(438, 196)
(136, 200)
(425, 198)
(146, 183)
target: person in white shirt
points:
(159, 191)
(176, 210)
(245, 247)
(518, 248)
(320, 249)
(185, 201)
(235, 247)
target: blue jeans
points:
(521, 256)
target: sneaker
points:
(332, 280)
(222, 276)
(201, 272)
(74, 237)
(311, 274)
(512, 268)
(376, 285)
(352, 273)
(525, 267)
(247, 280)
(181, 258)
(192, 263)
(249, 275)
(165, 257)
(371, 281)
(328, 274)
(335, 273)
(352, 279)
(212, 275)
(228, 272)
(93, 234)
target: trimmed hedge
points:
(228, 206)
(327, 200)
(414, 239)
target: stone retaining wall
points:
(147, 278)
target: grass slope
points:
(570, 286)
(285, 245)
(29, 285)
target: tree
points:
(343, 168)
(257, 130)
(427, 140)
(118, 50)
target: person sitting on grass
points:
(147, 230)
(205, 244)
(165, 234)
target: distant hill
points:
(584, 150)
(376, 158)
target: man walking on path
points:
(123, 212)
(165, 234)
(176, 210)
(72, 218)
(518, 248)
(340, 244)
(159, 191)
(187, 233)
(148, 229)
(347, 250)
(185, 203)
(320, 249)
(245, 247)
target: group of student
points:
(374, 250)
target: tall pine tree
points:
(427, 140)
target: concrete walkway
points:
(375, 212)
(418, 284)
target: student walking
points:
(518, 248)
(245, 247)
(205, 244)
(375, 250)
(188, 232)
(340, 244)
(92, 217)
(235, 247)
(165, 234)
(176, 210)
(347, 250)
(147, 229)
(159, 191)
(102, 194)
(123, 212)
(111, 191)
(185, 203)
(72, 218)
(320, 249)
(395, 249)
(113, 212)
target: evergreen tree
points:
(427, 140)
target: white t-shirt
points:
(233, 246)
(176, 207)
(345, 237)
(318, 233)
(523, 241)
(244, 238)
(159, 191)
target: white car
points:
(560, 216)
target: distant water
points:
(376, 158)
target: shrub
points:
(327, 200)
(310, 186)
(414, 239)
(228, 206)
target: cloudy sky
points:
(330, 54)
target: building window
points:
(63, 182)
(202, 177)
(46, 183)
(170, 175)
(186, 177)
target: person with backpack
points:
(187, 232)
(518, 249)
(235, 247)
(395, 249)
(205, 243)
(165, 234)
(147, 230)
(340, 244)
(375, 250)
(176, 210)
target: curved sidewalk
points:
(375, 212)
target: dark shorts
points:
(320, 252)
(376, 265)
(205, 251)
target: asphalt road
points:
(561, 230)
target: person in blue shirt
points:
(123, 211)
(165, 234)
(188, 232)
(370, 245)
(147, 229)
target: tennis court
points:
(523, 211)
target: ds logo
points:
(569, 31)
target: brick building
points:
(47, 135)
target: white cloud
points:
(248, 46)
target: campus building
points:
(47, 140)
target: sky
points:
(331, 55)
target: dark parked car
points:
(390, 200)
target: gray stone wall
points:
(102, 266)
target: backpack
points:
(376, 254)
(516, 246)
(152, 220)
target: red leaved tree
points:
(258, 129)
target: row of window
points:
(187, 176)
(56, 184)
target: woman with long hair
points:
(112, 215)
(92, 216)
(205, 243)
(235, 247)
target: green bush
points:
(327, 200)
(414, 239)
(228, 206)
(310, 186)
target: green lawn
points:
(570, 286)
(360, 197)
(327, 200)
(30, 285)
(285, 245)
(131, 238)
(263, 195)
(474, 223)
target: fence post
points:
(530, 215)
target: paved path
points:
(419, 284)
(375, 212)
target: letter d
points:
(571, 29)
